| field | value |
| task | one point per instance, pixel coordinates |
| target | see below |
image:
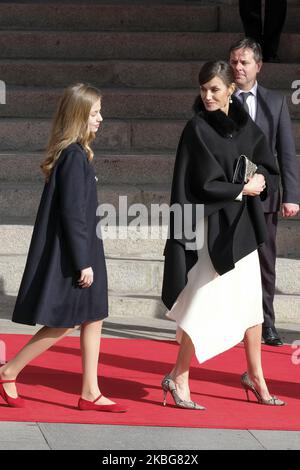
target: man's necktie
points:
(244, 95)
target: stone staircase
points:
(145, 57)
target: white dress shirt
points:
(251, 100)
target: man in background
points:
(270, 112)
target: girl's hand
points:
(86, 278)
(255, 185)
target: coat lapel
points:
(263, 114)
(258, 118)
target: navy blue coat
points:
(64, 241)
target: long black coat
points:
(207, 153)
(64, 241)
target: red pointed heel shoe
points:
(13, 402)
(86, 405)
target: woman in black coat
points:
(65, 282)
(212, 284)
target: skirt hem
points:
(202, 358)
(60, 326)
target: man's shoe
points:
(271, 337)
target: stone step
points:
(141, 277)
(125, 276)
(124, 103)
(129, 45)
(220, 2)
(149, 245)
(129, 17)
(15, 240)
(143, 2)
(110, 168)
(163, 134)
(288, 238)
(122, 2)
(109, 17)
(229, 19)
(146, 135)
(32, 134)
(119, 306)
(126, 306)
(19, 202)
(127, 73)
(287, 308)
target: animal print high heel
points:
(168, 385)
(249, 385)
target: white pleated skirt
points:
(215, 311)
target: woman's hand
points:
(255, 185)
(86, 278)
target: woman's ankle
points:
(89, 394)
(6, 373)
(180, 377)
(256, 375)
(259, 382)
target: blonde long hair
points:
(70, 124)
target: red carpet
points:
(131, 372)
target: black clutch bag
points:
(244, 170)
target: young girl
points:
(65, 282)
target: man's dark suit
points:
(273, 118)
(268, 35)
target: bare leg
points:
(90, 346)
(40, 342)
(180, 372)
(252, 342)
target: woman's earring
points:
(230, 99)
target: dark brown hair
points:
(218, 68)
(209, 70)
